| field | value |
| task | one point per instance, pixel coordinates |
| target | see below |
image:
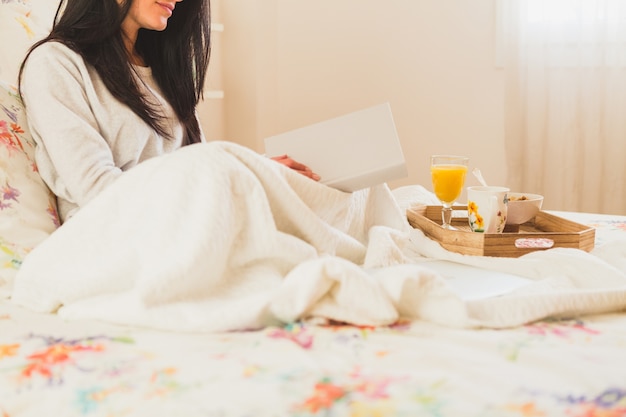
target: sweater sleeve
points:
(72, 156)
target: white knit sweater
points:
(85, 137)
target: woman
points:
(113, 84)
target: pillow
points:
(28, 212)
(23, 22)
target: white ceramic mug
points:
(487, 208)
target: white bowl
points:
(523, 207)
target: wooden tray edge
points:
(577, 235)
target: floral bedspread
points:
(574, 367)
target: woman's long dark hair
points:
(178, 55)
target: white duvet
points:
(215, 237)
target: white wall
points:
(286, 63)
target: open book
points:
(474, 283)
(349, 152)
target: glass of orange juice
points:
(448, 175)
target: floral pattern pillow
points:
(22, 23)
(28, 212)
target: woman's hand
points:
(296, 166)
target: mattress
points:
(568, 367)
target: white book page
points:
(350, 152)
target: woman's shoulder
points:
(52, 65)
(51, 53)
(52, 62)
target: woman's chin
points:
(159, 25)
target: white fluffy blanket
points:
(215, 237)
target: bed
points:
(555, 367)
(550, 368)
(98, 363)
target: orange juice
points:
(448, 180)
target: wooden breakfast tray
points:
(545, 230)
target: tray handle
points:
(534, 243)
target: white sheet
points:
(215, 237)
